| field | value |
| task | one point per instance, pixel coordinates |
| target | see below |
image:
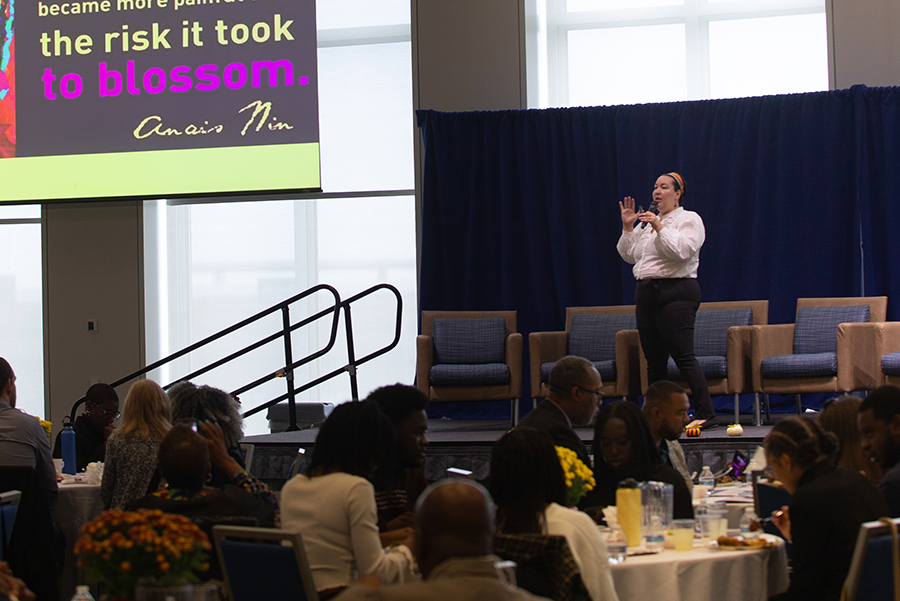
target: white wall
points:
(93, 270)
(865, 45)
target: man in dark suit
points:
(573, 401)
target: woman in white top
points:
(333, 506)
(666, 256)
(529, 489)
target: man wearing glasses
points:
(573, 400)
(94, 426)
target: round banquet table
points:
(77, 504)
(703, 574)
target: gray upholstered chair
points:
(887, 352)
(831, 347)
(603, 335)
(722, 347)
(470, 356)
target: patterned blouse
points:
(244, 479)
(129, 467)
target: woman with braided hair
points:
(828, 504)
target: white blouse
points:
(338, 520)
(672, 253)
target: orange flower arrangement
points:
(119, 547)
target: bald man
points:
(454, 538)
(666, 408)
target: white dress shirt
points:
(672, 253)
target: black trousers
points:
(665, 312)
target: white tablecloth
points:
(703, 575)
(77, 504)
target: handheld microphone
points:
(654, 207)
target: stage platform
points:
(467, 444)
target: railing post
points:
(288, 369)
(351, 355)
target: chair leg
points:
(799, 405)
(515, 412)
(737, 408)
(756, 418)
(768, 410)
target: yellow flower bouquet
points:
(579, 477)
(46, 425)
(119, 547)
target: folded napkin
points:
(611, 516)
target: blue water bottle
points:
(68, 447)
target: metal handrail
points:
(289, 364)
(352, 363)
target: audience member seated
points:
(529, 487)
(841, 417)
(879, 427)
(11, 588)
(208, 404)
(93, 427)
(333, 504)
(454, 539)
(396, 493)
(572, 401)
(133, 449)
(23, 442)
(827, 506)
(184, 460)
(666, 407)
(624, 448)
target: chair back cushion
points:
(711, 330)
(7, 520)
(594, 336)
(246, 561)
(469, 341)
(876, 577)
(815, 330)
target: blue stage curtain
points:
(520, 208)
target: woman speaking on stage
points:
(665, 252)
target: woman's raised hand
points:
(629, 217)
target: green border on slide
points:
(161, 173)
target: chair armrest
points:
(544, 347)
(887, 338)
(514, 361)
(424, 361)
(858, 362)
(738, 355)
(628, 363)
(768, 341)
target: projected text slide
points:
(117, 98)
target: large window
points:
(210, 265)
(604, 52)
(22, 338)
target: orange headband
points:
(677, 178)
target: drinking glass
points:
(683, 534)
